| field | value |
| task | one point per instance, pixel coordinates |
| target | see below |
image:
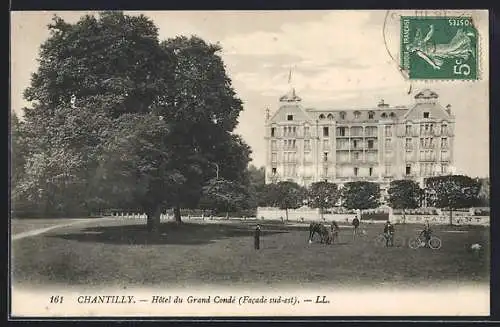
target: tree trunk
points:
(177, 214)
(286, 214)
(153, 220)
(404, 217)
(451, 216)
(321, 213)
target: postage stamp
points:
(439, 48)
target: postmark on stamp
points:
(439, 48)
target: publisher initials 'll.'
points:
(319, 299)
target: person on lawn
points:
(389, 234)
(426, 233)
(256, 237)
(355, 224)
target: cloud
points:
(340, 53)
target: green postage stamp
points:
(439, 48)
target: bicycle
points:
(418, 242)
(381, 241)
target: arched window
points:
(392, 115)
(342, 115)
(330, 116)
(357, 114)
(383, 115)
(371, 114)
(321, 116)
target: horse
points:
(320, 229)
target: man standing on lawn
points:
(355, 224)
(256, 237)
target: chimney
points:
(448, 109)
(382, 104)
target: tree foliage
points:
(361, 195)
(323, 195)
(122, 119)
(452, 192)
(404, 194)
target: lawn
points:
(121, 253)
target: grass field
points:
(121, 252)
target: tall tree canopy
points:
(452, 192)
(113, 103)
(404, 194)
(361, 195)
(323, 195)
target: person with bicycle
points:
(355, 224)
(389, 234)
(426, 233)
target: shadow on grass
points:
(169, 233)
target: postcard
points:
(216, 164)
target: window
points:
(444, 143)
(355, 155)
(370, 144)
(321, 116)
(387, 170)
(426, 114)
(371, 114)
(289, 117)
(408, 144)
(325, 131)
(306, 131)
(325, 171)
(392, 115)
(273, 145)
(371, 131)
(383, 115)
(388, 131)
(342, 115)
(387, 143)
(356, 170)
(274, 171)
(293, 144)
(371, 156)
(408, 169)
(330, 116)
(444, 129)
(325, 144)
(370, 171)
(272, 131)
(444, 155)
(307, 144)
(274, 157)
(408, 130)
(357, 114)
(444, 168)
(341, 131)
(355, 144)
(294, 130)
(325, 156)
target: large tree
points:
(404, 194)
(361, 195)
(452, 192)
(285, 195)
(106, 78)
(323, 195)
(225, 195)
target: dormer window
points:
(371, 115)
(330, 116)
(392, 115)
(342, 115)
(357, 114)
(426, 114)
(321, 116)
(289, 117)
(383, 115)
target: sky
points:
(338, 59)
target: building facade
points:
(378, 144)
